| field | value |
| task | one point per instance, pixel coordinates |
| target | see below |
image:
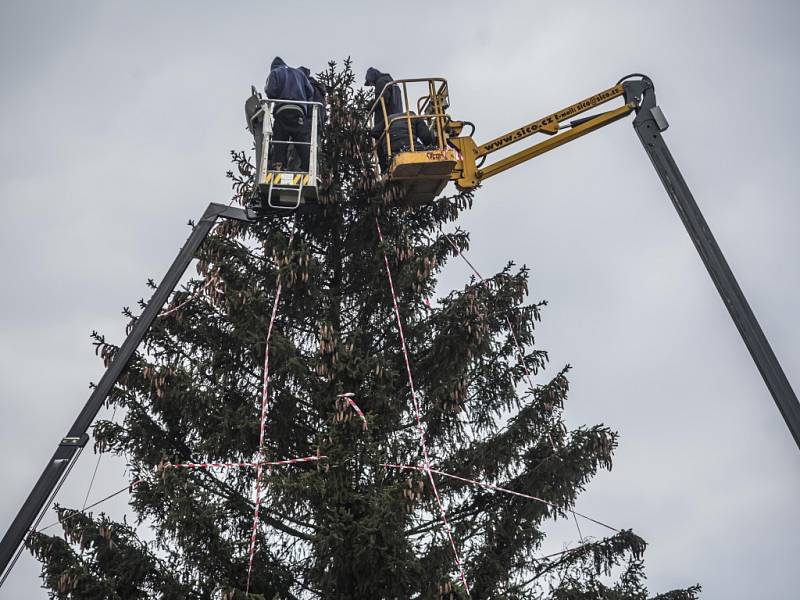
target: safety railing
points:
(430, 110)
(293, 182)
(270, 106)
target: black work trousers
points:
(399, 144)
(290, 128)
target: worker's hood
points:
(372, 76)
(277, 62)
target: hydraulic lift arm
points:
(639, 98)
(468, 174)
(649, 123)
(70, 446)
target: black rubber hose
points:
(633, 75)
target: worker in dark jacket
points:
(399, 136)
(320, 95)
(285, 84)
(392, 99)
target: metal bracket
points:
(75, 441)
(659, 118)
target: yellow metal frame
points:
(430, 107)
(282, 178)
(467, 175)
(402, 163)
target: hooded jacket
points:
(287, 83)
(320, 94)
(391, 95)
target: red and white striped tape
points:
(496, 488)
(233, 465)
(262, 428)
(418, 418)
(349, 398)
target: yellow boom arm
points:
(467, 174)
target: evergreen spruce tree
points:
(345, 527)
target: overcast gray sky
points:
(116, 122)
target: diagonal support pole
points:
(649, 123)
(70, 446)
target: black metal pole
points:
(649, 123)
(77, 436)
